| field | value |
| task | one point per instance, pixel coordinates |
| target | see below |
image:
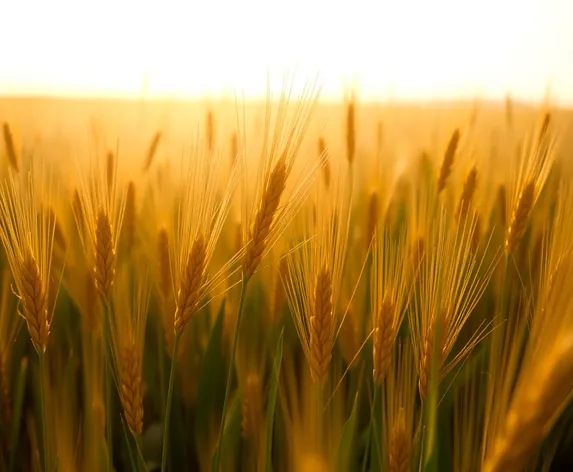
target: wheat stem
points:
(229, 373)
(41, 356)
(108, 385)
(168, 405)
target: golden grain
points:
(34, 302)
(520, 216)
(321, 325)
(152, 150)
(192, 281)
(264, 219)
(448, 161)
(10, 148)
(384, 336)
(104, 268)
(470, 185)
(400, 452)
(130, 385)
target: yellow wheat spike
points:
(99, 218)
(453, 277)
(10, 147)
(389, 291)
(399, 414)
(448, 161)
(27, 234)
(202, 211)
(531, 172)
(315, 276)
(269, 202)
(127, 328)
(152, 150)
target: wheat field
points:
(287, 285)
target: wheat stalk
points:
(502, 204)
(5, 403)
(373, 215)
(91, 302)
(166, 289)
(323, 154)
(210, 131)
(278, 296)
(130, 214)
(350, 131)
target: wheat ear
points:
(400, 452)
(448, 162)
(192, 281)
(520, 216)
(264, 218)
(104, 256)
(152, 150)
(321, 324)
(35, 302)
(130, 388)
(10, 148)
(429, 344)
(384, 336)
(467, 194)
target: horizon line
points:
(132, 98)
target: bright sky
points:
(399, 49)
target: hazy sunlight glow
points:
(400, 49)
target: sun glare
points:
(407, 49)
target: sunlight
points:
(411, 49)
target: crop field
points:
(285, 285)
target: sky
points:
(385, 50)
